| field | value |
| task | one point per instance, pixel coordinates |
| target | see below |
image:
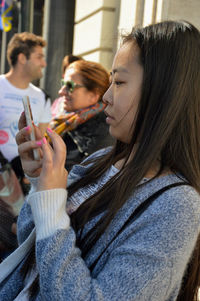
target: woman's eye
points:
(115, 82)
(118, 83)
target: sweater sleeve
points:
(25, 223)
(49, 213)
(145, 263)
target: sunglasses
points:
(70, 85)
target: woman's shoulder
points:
(173, 186)
(185, 198)
(174, 197)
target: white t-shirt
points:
(11, 107)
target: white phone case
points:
(29, 119)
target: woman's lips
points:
(67, 99)
(109, 118)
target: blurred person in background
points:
(82, 123)
(57, 105)
(68, 59)
(26, 59)
(8, 237)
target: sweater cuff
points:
(33, 182)
(49, 211)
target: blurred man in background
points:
(26, 59)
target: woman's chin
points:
(112, 133)
(116, 136)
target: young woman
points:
(129, 229)
(81, 120)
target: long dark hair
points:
(167, 126)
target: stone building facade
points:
(99, 23)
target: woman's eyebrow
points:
(118, 70)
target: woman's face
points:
(80, 97)
(123, 96)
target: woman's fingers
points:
(53, 174)
(25, 145)
(59, 148)
(32, 168)
(47, 162)
(26, 149)
(22, 121)
(38, 135)
(24, 134)
(22, 124)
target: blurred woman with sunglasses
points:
(81, 122)
(57, 106)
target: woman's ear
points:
(94, 97)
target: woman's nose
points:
(107, 97)
(62, 91)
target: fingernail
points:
(39, 143)
(49, 130)
(23, 113)
(44, 140)
(27, 128)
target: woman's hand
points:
(53, 174)
(25, 148)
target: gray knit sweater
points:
(145, 263)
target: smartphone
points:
(29, 119)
